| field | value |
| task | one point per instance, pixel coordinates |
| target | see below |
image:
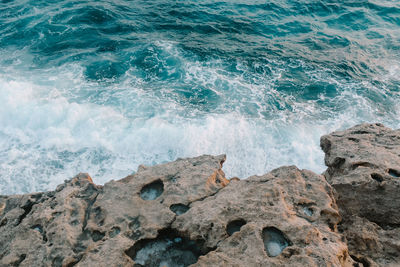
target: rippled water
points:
(103, 86)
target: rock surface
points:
(364, 168)
(187, 213)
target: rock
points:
(47, 228)
(187, 213)
(274, 229)
(364, 168)
(83, 224)
(176, 214)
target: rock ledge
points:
(187, 212)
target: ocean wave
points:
(102, 87)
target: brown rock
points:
(176, 214)
(364, 168)
(85, 225)
(285, 218)
(187, 213)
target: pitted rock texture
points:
(364, 168)
(87, 225)
(187, 213)
(278, 231)
(177, 214)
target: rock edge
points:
(187, 212)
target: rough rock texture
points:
(87, 225)
(297, 203)
(364, 168)
(186, 213)
(173, 213)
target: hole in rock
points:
(134, 224)
(360, 132)
(168, 249)
(394, 173)
(134, 232)
(114, 231)
(74, 223)
(331, 226)
(99, 216)
(152, 191)
(234, 226)
(3, 222)
(97, 235)
(362, 164)
(21, 258)
(360, 262)
(377, 177)
(171, 178)
(179, 209)
(38, 228)
(338, 162)
(354, 139)
(27, 209)
(274, 241)
(308, 211)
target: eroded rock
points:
(168, 249)
(176, 214)
(82, 224)
(179, 208)
(268, 205)
(235, 226)
(152, 191)
(274, 241)
(363, 166)
(187, 213)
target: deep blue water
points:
(103, 86)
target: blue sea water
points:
(103, 86)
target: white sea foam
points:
(54, 124)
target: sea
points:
(104, 86)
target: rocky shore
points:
(187, 212)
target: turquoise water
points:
(103, 86)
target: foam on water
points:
(46, 138)
(97, 88)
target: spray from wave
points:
(98, 88)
